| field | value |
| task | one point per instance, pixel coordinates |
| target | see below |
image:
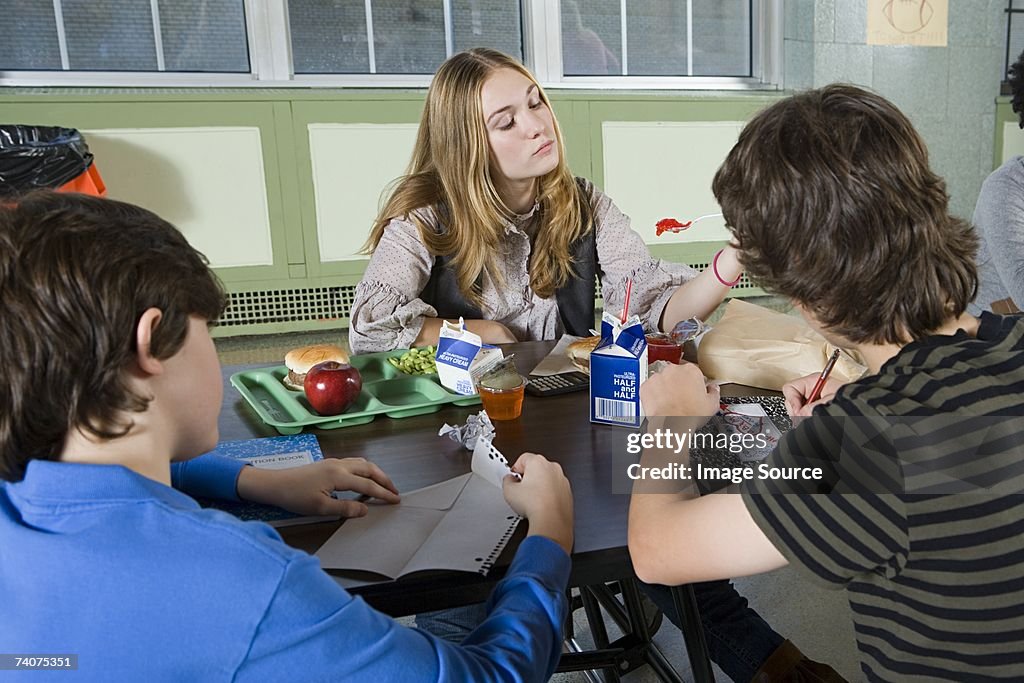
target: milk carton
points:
(461, 358)
(618, 366)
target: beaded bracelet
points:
(714, 268)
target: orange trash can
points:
(89, 182)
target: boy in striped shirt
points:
(917, 513)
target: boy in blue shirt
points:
(112, 375)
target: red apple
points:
(332, 387)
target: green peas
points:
(416, 361)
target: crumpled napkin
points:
(477, 427)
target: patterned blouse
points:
(388, 313)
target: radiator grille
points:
(323, 304)
(288, 305)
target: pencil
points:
(820, 384)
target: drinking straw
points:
(625, 307)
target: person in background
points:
(999, 221)
(920, 521)
(490, 224)
(111, 377)
(583, 51)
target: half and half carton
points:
(618, 366)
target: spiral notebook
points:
(461, 524)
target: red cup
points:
(660, 347)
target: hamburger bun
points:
(579, 352)
(299, 361)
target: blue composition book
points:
(277, 452)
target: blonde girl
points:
(490, 224)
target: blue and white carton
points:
(461, 357)
(618, 366)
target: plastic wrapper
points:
(477, 427)
(503, 375)
(688, 330)
(34, 157)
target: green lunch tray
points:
(386, 391)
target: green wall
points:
(282, 116)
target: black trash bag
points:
(40, 156)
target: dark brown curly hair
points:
(76, 274)
(833, 204)
(1016, 81)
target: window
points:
(32, 44)
(397, 36)
(329, 37)
(567, 43)
(125, 35)
(652, 38)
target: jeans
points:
(739, 640)
(452, 624)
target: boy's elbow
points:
(646, 573)
(643, 551)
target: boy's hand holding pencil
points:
(803, 394)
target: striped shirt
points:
(923, 523)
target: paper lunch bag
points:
(763, 348)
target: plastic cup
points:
(661, 347)
(504, 402)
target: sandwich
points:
(301, 360)
(579, 352)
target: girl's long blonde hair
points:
(450, 173)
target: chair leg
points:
(635, 609)
(599, 656)
(693, 633)
(594, 618)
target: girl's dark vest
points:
(575, 298)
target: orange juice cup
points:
(502, 403)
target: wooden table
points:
(558, 427)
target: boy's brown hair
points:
(832, 202)
(76, 274)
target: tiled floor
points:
(817, 620)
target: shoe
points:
(788, 665)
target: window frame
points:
(271, 66)
(543, 38)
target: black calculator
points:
(551, 385)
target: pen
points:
(820, 384)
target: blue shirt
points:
(143, 584)
(209, 476)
